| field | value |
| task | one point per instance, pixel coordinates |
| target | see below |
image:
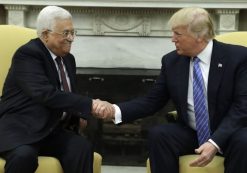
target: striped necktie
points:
(200, 105)
(64, 82)
(62, 74)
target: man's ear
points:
(45, 35)
(199, 39)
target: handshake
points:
(103, 109)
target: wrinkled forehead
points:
(63, 24)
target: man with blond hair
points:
(207, 82)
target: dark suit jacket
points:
(32, 103)
(227, 91)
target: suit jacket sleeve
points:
(154, 100)
(231, 101)
(35, 74)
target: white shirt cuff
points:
(118, 115)
(218, 148)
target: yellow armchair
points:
(217, 165)
(52, 165)
(237, 38)
(12, 37)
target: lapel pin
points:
(219, 65)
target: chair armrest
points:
(172, 116)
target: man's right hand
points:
(103, 109)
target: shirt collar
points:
(205, 55)
(52, 55)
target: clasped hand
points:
(103, 109)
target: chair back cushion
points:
(238, 38)
(11, 38)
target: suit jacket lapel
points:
(50, 66)
(217, 66)
(182, 79)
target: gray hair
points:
(48, 17)
(197, 20)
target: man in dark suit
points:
(40, 110)
(204, 78)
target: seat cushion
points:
(52, 165)
(2, 163)
(215, 166)
(97, 162)
(46, 165)
(49, 165)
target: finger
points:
(97, 108)
(113, 112)
(107, 112)
(199, 150)
(201, 161)
(82, 123)
(194, 163)
(197, 162)
(104, 110)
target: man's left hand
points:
(82, 125)
(206, 153)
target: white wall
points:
(124, 33)
(113, 52)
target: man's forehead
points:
(65, 23)
(179, 27)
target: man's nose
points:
(71, 37)
(174, 39)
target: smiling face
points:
(56, 41)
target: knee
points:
(87, 146)
(23, 158)
(157, 134)
(82, 144)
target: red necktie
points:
(62, 74)
(63, 81)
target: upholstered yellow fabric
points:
(52, 165)
(49, 165)
(2, 163)
(97, 162)
(147, 165)
(46, 165)
(216, 166)
(11, 38)
(238, 38)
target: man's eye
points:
(65, 33)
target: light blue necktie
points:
(200, 106)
